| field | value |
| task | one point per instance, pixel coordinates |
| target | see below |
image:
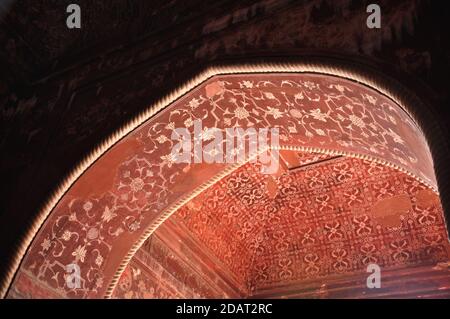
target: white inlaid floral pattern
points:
(311, 111)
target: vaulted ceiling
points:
(328, 217)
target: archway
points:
(101, 215)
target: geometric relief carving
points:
(330, 217)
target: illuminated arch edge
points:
(387, 87)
